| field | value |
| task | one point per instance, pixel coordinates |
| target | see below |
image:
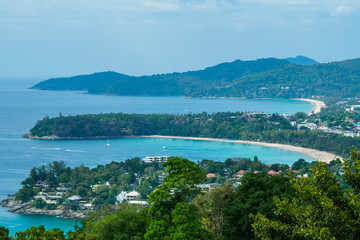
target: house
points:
(121, 197)
(293, 123)
(211, 175)
(311, 126)
(40, 183)
(272, 173)
(52, 199)
(160, 159)
(239, 174)
(63, 189)
(74, 198)
(132, 195)
(142, 203)
(205, 187)
(236, 184)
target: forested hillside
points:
(244, 126)
(262, 78)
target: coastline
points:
(321, 156)
(16, 206)
(318, 105)
(316, 109)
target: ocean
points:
(21, 107)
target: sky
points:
(54, 38)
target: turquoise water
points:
(20, 108)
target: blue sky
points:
(41, 39)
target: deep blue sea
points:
(21, 107)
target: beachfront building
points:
(160, 159)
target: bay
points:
(21, 107)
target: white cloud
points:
(162, 5)
(342, 11)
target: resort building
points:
(160, 159)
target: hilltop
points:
(262, 78)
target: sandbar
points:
(321, 156)
(317, 104)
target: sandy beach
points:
(317, 105)
(318, 155)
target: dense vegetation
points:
(320, 208)
(315, 207)
(254, 127)
(90, 184)
(263, 78)
(101, 185)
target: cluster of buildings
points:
(351, 132)
(54, 195)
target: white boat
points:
(108, 144)
(164, 147)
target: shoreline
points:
(321, 156)
(318, 155)
(318, 105)
(26, 208)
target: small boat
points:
(164, 147)
(108, 144)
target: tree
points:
(35, 233)
(299, 164)
(255, 194)
(211, 208)
(4, 233)
(320, 210)
(172, 212)
(39, 203)
(25, 194)
(127, 223)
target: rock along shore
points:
(26, 208)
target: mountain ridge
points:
(261, 78)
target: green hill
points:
(81, 82)
(301, 60)
(262, 78)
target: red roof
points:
(210, 175)
(256, 172)
(272, 172)
(241, 172)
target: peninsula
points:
(241, 127)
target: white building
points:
(134, 195)
(160, 159)
(141, 203)
(121, 197)
(311, 126)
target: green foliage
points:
(255, 194)
(4, 233)
(211, 209)
(39, 233)
(320, 210)
(352, 171)
(25, 194)
(127, 223)
(39, 203)
(173, 215)
(299, 164)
